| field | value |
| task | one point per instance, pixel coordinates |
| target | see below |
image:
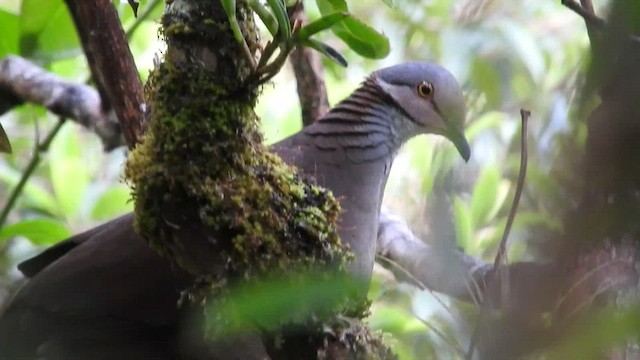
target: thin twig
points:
(31, 167)
(454, 345)
(590, 274)
(524, 114)
(417, 282)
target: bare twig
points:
(28, 82)
(524, 114)
(454, 345)
(416, 281)
(40, 148)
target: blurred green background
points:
(507, 54)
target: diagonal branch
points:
(111, 62)
(24, 81)
(307, 66)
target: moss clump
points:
(209, 195)
(212, 198)
(336, 337)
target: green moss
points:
(205, 185)
(208, 194)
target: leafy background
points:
(507, 54)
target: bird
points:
(106, 294)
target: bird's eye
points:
(425, 89)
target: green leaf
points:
(270, 303)
(268, 19)
(362, 38)
(113, 202)
(487, 79)
(488, 120)
(5, 145)
(327, 50)
(321, 24)
(47, 31)
(39, 196)
(328, 6)
(69, 173)
(463, 226)
(230, 9)
(280, 12)
(484, 195)
(9, 28)
(39, 231)
(359, 36)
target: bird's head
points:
(430, 97)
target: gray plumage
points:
(105, 292)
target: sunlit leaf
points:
(362, 38)
(69, 172)
(113, 202)
(462, 222)
(39, 231)
(359, 36)
(489, 120)
(321, 24)
(486, 78)
(9, 25)
(47, 31)
(484, 195)
(33, 192)
(271, 303)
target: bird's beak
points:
(457, 138)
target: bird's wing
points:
(289, 149)
(34, 265)
(112, 275)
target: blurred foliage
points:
(507, 55)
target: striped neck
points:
(367, 125)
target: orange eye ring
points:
(425, 89)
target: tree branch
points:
(111, 62)
(24, 81)
(586, 12)
(307, 67)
